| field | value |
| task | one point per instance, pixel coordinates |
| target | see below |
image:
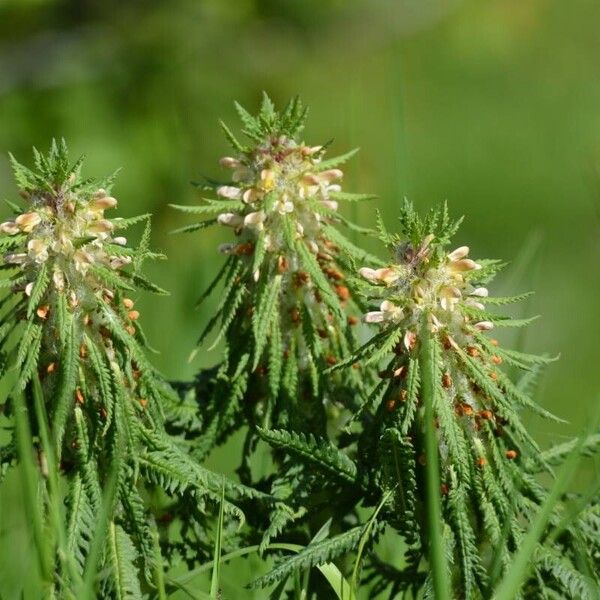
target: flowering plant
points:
(402, 432)
(438, 438)
(72, 344)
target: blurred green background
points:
(493, 106)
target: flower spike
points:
(286, 309)
(432, 291)
(80, 364)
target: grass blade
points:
(216, 571)
(434, 514)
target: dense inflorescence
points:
(286, 313)
(428, 291)
(279, 180)
(434, 321)
(71, 296)
(71, 337)
(286, 309)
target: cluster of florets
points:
(425, 281)
(67, 232)
(427, 287)
(278, 179)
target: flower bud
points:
(27, 221)
(459, 253)
(229, 162)
(9, 227)
(228, 191)
(103, 203)
(101, 226)
(229, 219)
(481, 292)
(331, 175)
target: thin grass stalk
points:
(53, 487)
(363, 541)
(437, 555)
(216, 571)
(30, 481)
(159, 575)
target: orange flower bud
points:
(42, 311)
(282, 264)
(446, 380)
(79, 397)
(343, 292)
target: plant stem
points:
(437, 556)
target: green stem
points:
(363, 540)
(54, 494)
(159, 575)
(30, 480)
(437, 555)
